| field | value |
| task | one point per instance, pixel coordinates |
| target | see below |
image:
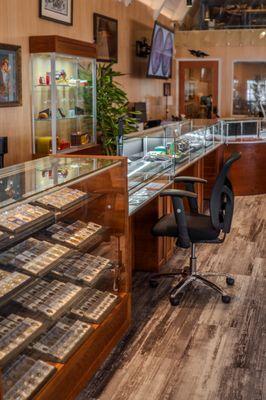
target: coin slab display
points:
(95, 306)
(15, 333)
(49, 298)
(85, 268)
(3, 235)
(24, 377)
(60, 342)
(22, 217)
(10, 281)
(62, 199)
(76, 235)
(34, 256)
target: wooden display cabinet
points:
(63, 74)
(103, 180)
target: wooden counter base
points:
(248, 175)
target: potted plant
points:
(112, 106)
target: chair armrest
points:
(189, 182)
(189, 179)
(180, 215)
(178, 193)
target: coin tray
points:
(76, 235)
(15, 333)
(49, 298)
(24, 377)
(95, 306)
(81, 267)
(21, 218)
(62, 199)
(34, 256)
(10, 281)
(61, 341)
(3, 235)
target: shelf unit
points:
(63, 75)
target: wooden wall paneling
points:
(248, 174)
(18, 23)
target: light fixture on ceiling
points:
(262, 35)
(189, 3)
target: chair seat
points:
(200, 227)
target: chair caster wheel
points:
(175, 301)
(226, 299)
(154, 283)
(230, 281)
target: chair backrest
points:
(222, 197)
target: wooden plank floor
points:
(203, 349)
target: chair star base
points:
(190, 275)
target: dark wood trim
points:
(63, 45)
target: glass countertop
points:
(31, 178)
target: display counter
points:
(248, 137)
(64, 272)
(155, 157)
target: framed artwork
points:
(106, 37)
(10, 76)
(60, 11)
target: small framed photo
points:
(106, 38)
(60, 11)
(10, 76)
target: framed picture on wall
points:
(60, 11)
(106, 38)
(10, 76)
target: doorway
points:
(198, 89)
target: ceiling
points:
(173, 9)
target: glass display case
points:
(64, 276)
(63, 99)
(155, 157)
(244, 129)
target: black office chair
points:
(194, 227)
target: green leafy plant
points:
(112, 105)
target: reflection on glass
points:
(24, 180)
(198, 92)
(249, 96)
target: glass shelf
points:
(65, 86)
(77, 102)
(62, 119)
